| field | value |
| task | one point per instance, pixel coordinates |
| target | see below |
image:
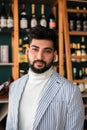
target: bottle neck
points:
(42, 9)
(33, 8)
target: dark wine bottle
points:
(52, 20)
(83, 48)
(33, 19)
(78, 20)
(71, 22)
(3, 17)
(23, 18)
(10, 17)
(84, 22)
(43, 21)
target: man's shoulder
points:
(65, 83)
(19, 82)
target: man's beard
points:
(37, 70)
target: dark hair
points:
(40, 32)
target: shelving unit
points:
(67, 37)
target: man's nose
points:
(40, 55)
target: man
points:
(42, 99)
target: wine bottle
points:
(23, 18)
(33, 19)
(74, 73)
(78, 52)
(20, 49)
(83, 48)
(78, 20)
(3, 17)
(10, 17)
(73, 51)
(43, 21)
(25, 45)
(71, 22)
(84, 22)
(52, 20)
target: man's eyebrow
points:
(34, 46)
(46, 48)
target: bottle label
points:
(43, 22)
(3, 22)
(23, 23)
(4, 53)
(52, 24)
(9, 22)
(33, 23)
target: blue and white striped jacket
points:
(60, 107)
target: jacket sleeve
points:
(75, 114)
(9, 121)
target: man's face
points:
(41, 55)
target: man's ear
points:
(55, 56)
(27, 51)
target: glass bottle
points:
(52, 20)
(10, 17)
(3, 17)
(78, 20)
(43, 21)
(83, 48)
(33, 19)
(71, 22)
(84, 22)
(23, 18)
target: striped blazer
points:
(60, 106)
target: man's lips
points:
(39, 63)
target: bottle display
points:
(10, 17)
(33, 19)
(23, 18)
(3, 17)
(52, 20)
(43, 21)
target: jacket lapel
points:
(47, 95)
(21, 85)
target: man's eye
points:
(48, 51)
(35, 49)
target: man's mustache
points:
(39, 61)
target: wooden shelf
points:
(75, 11)
(52, 2)
(76, 33)
(80, 1)
(80, 81)
(6, 64)
(79, 57)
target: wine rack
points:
(74, 36)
